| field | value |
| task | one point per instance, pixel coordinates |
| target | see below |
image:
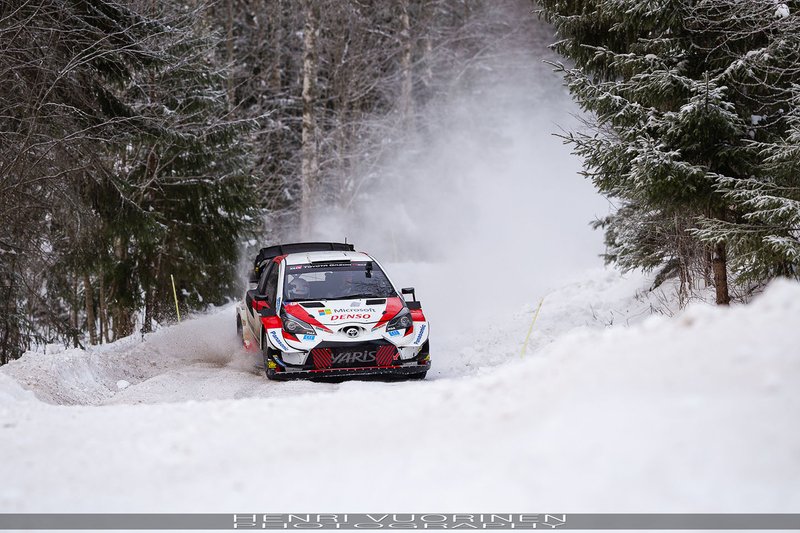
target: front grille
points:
(385, 355)
(362, 355)
(322, 358)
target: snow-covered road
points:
(202, 358)
(693, 413)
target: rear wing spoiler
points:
(265, 255)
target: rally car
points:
(324, 310)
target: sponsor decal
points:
(351, 316)
(278, 342)
(278, 304)
(323, 312)
(394, 333)
(341, 310)
(309, 337)
(339, 265)
(421, 333)
(367, 356)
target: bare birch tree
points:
(309, 171)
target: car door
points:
(263, 298)
(254, 306)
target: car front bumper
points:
(378, 372)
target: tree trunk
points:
(147, 325)
(123, 321)
(73, 315)
(406, 74)
(720, 266)
(101, 296)
(10, 320)
(343, 135)
(151, 307)
(427, 71)
(89, 299)
(230, 49)
(309, 172)
(276, 44)
(708, 262)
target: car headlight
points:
(296, 326)
(401, 321)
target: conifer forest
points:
(147, 141)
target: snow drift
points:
(691, 414)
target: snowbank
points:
(696, 413)
(76, 376)
(201, 359)
(11, 391)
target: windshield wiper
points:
(357, 296)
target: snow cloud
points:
(487, 204)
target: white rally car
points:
(323, 310)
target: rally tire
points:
(425, 351)
(265, 350)
(239, 327)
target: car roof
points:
(303, 258)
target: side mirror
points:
(260, 302)
(409, 290)
(266, 311)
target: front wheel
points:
(424, 353)
(266, 351)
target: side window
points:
(272, 283)
(262, 284)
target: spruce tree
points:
(119, 167)
(183, 182)
(670, 87)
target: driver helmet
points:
(349, 279)
(299, 288)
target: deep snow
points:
(202, 359)
(696, 413)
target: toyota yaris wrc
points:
(323, 310)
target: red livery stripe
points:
(271, 322)
(393, 306)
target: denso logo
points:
(367, 356)
(351, 316)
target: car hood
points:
(331, 314)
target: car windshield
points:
(336, 281)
